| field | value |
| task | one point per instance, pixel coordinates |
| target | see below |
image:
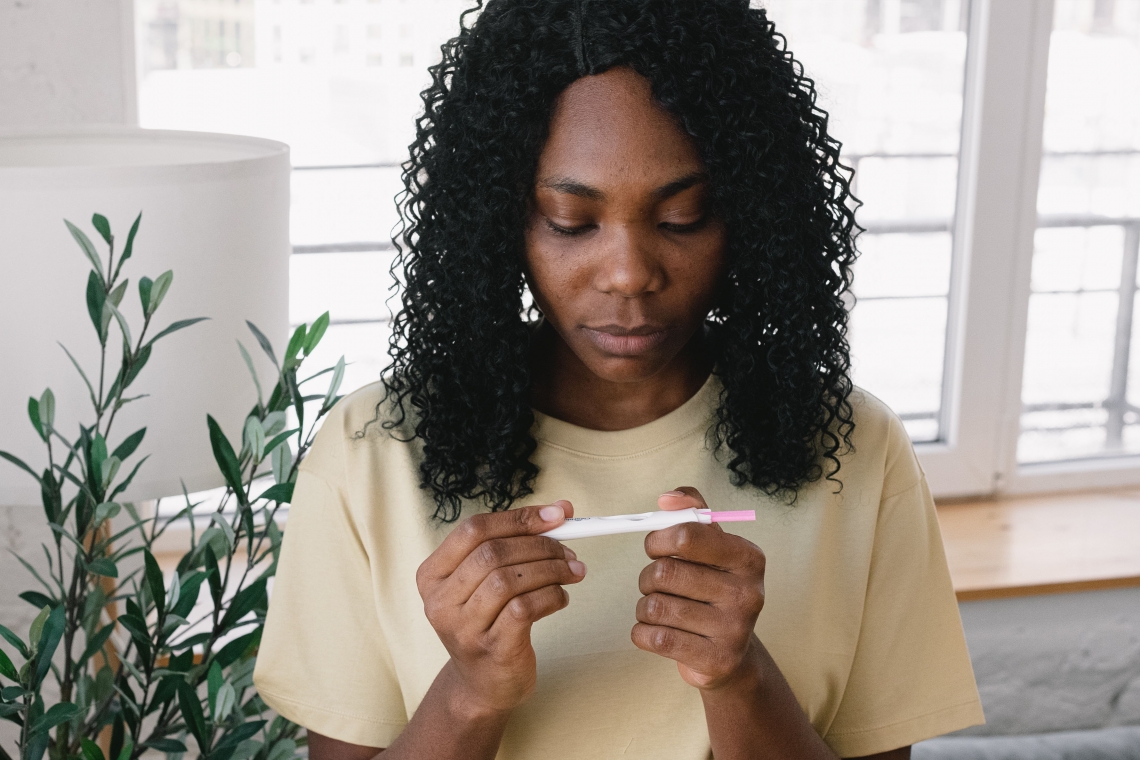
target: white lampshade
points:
(215, 210)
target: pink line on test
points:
(743, 515)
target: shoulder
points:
(880, 444)
(366, 422)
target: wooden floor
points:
(1043, 544)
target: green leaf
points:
(34, 416)
(37, 627)
(158, 291)
(165, 745)
(126, 330)
(47, 409)
(334, 385)
(240, 734)
(136, 626)
(146, 285)
(103, 566)
(254, 437)
(188, 594)
(7, 669)
(224, 704)
(15, 641)
(98, 455)
(22, 465)
(214, 574)
(139, 362)
(91, 750)
(263, 341)
(214, 681)
(116, 296)
(106, 511)
(128, 749)
(252, 372)
(296, 343)
(175, 327)
(129, 444)
(110, 470)
(282, 462)
(233, 650)
(279, 439)
(88, 248)
(154, 582)
(100, 223)
(36, 599)
(226, 459)
(129, 248)
(61, 712)
(243, 603)
(126, 483)
(95, 643)
(49, 640)
(282, 492)
(192, 713)
(316, 332)
(105, 322)
(298, 399)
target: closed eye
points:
(684, 228)
(568, 231)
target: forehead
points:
(608, 128)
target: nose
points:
(628, 265)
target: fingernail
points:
(552, 513)
(569, 552)
(672, 493)
(577, 568)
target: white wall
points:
(66, 62)
(62, 63)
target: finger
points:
(522, 611)
(505, 583)
(526, 521)
(695, 651)
(707, 545)
(682, 497)
(499, 552)
(692, 581)
(680, 613)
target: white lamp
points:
(215, 210)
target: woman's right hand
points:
(484, 587)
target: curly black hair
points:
(460, 345)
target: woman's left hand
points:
(702, 595)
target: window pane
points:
(891, 75)
(339, 82)
(1080, 385)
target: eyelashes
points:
(677, 229)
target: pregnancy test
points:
(585, 527)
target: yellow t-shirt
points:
(860, 615)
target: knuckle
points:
(497, 582)
(489, 554)
(663, 639)
(664, 572)
(474, 528)
(519, 608)
(686, 535)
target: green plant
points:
(138, 662)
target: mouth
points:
(618, 340)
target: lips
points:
(626, 341)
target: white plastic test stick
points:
(585, 527)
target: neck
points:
(565, 388)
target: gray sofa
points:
(1059, 677)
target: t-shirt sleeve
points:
(323, 661)
(911, 678)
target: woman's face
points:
(622, 253)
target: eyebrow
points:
(582, 190)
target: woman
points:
(657, 176)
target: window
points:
(891, 76)
(996, 145)
(1081, 383)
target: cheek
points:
(550, 276)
